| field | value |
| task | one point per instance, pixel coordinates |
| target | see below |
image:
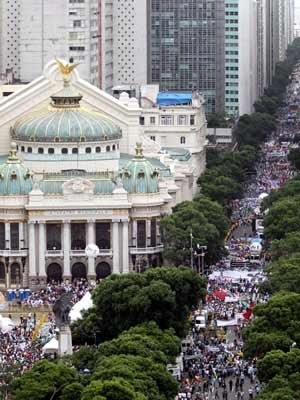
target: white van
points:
(200, 322)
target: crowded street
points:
(212, 355)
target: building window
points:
(107, 148)
(29, 150)
(152, 138)
(182, 140)
(40, 150)
(192, 120)
(75, 150)
(142, 120)
(152, 120)
(22, 148)
(182, 120)
(113, 147)
(153, 233)
(166, 120)
(98, 149)
(14, 236)
(53, 235)
(141, 233)
(64, 150)
(88, 150)
(2, 236)
(50, 150)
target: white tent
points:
(6, 324)
(84, 304)
(263, 196)
(51, 346)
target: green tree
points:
(123, 301)
(143, 374)
(283, 217)
(114, 389)
(46, 380)
(177, 229)
(288, 246)
(284, 274)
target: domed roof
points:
(64, 120)
(15, 178)
(139, 175)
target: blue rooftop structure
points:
(173, 99)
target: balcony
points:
(147, 250)
(15, 253)
(54, 253)
(81, 253)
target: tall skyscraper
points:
(34, 32)
(186, 47)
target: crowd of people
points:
(22, 337)
(213, 363)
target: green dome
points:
(15, 179)
(139, 175)
(64, 120)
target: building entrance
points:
(79, 271)
(54, 273)
(102, 270)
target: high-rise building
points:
(56, 28)
(186, 47)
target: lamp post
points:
(191, 250)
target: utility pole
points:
(191, 250)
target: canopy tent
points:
(6, 324)
(51, 346)
(263, 196)
(84, 304)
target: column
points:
(91, 239)
(116, 247)
(32, 248)
(67, 247)
(125, 248)
(7, 235)
(148, 232)
(42, 249)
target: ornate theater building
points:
(80, 168)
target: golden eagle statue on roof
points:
(67, 68)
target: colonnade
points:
(38, 250)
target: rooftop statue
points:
(65, 69)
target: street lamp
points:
(201, 256)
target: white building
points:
(50, 29)
(130, 42)
(71, 179)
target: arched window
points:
(29, 150)
(182, 140)
(40, 150)
(75, 150)
(22, 148)
(98, 149)
(51, 150)
(88, 150)
(107, 148)
(64, 150)
(113, 147)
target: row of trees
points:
(140, 317)
(275, 330)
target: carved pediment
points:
(78, 186)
